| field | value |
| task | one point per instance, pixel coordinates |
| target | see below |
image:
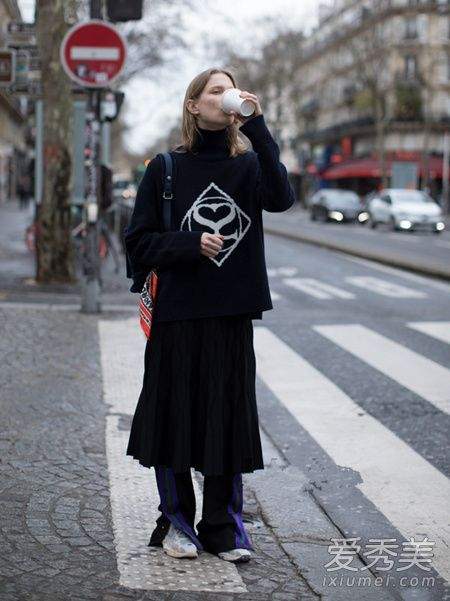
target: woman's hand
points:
(240, 119)
(211, 244)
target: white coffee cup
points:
(231, 101)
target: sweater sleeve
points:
(274, 192)
(146, 243)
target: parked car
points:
(334, 204)
(404, 209)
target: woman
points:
(197, 407)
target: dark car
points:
(333, 204)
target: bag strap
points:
(167, 193)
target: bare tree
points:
(154, 46)
(370, 56)
(431, 61)
(268, 69)
(265, 67)
(152, 43)
(157, 39)
(54, 248)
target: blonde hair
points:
(189, 127)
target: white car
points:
(405, 209)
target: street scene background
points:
(353, 362)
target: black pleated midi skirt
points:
(197, 407)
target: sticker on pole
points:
(93, 53)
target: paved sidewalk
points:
(295, 224)
(17, 263)
(57, 529)
(17, 268)
(76, 513)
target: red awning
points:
(369, 168)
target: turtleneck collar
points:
(212, 142)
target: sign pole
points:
(93, 55)
(91, 302)
(91, 261)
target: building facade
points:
(13, 153)
(374, 82)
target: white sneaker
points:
(177, 544)
(236, 555)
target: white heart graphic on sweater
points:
(233, 226)
(217, 225)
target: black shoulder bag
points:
(148, 294)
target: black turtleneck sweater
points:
(217, 194)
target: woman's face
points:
(207, 108)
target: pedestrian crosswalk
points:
(385, 288)
(422, 376)
(437, 329)
(405, 487)
(316, 288)
(413, 500)
(323, 290)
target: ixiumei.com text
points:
(379, 581)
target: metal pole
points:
(445, 174)
(79, 128)
(106, 144)
(38, 158)
(38, 169)
(91, 259)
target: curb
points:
(374, 256)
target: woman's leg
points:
(177, 504)
(221, 527)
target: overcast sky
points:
(151, 109)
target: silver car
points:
(404, 209)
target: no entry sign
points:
(93, 53)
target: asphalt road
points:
(419, 249)
(354, 388)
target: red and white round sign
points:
(93, 53)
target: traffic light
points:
(124, 10)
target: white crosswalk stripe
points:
(437, 329)
(415, 499)
(399, 273)
(281, 271)
(317, 289)
(384, 287)
(423, 376)
(134, 496)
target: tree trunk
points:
(425, 159)
(54, 245)
(380, 136)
